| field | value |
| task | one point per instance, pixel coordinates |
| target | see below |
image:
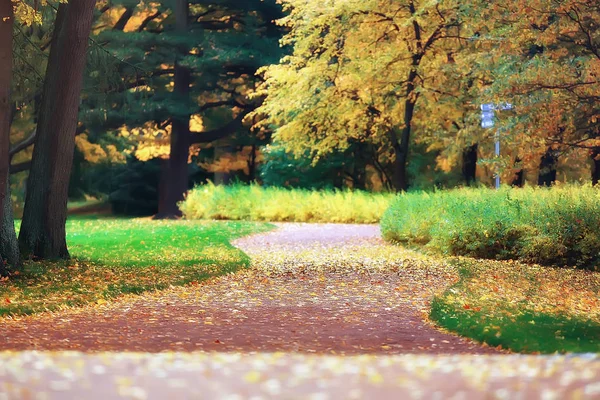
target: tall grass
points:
(255, 203)
(557, 226)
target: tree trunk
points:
(595, 156)
(43, 228)
(469, 166)
(6, 63)
(359, 170)
(222, 177)
(548, 163)
(178, 174)
(401, 145)
(519, 177)
(9, 247)
(252, 165)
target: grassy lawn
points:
(524, 308)
(123, 256)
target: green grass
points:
(524, 332)
(557, 226)
(112, 257)
(255, 203)
(523, 310)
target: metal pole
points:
(497, 156)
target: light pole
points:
(488, 121)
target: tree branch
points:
(23, 145)
(20, 167)
(219, 133)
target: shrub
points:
(239, 202)
(550, 226)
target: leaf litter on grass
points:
(355, 296)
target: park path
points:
(325, 312)
(312, 288)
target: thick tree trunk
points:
(178, 174)
(43, 228)
(6, 58)
(469, 165)
(9, 247)
(595, 156)
(548, 164)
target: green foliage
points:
(254, 203)
(113, 257)
(135, 188)
(225, 43)
(282, 169)
(556, 226)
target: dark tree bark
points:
(469, 165)
(43, 228)
(252, 165)
(359, 168)
(595, 156)
(7, 235)
(124, 19)
(401, 144)
(519, 177)
(548, 164)
(177, 175)
(9, 247)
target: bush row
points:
(556, 226)
(240, 202)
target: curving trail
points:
(313, 288)
(326, 311)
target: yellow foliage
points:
(229, 162)
(95, 153)
(28, 15)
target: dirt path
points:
(326, 289)
(330, 290)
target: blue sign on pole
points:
(487, 116)
(487, 121)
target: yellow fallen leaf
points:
(252, 377)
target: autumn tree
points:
(42, 231)
(544, 57)
(371, 71)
